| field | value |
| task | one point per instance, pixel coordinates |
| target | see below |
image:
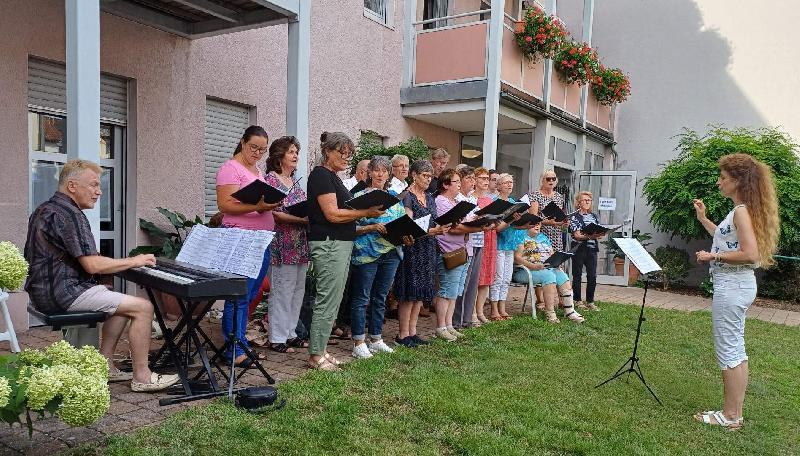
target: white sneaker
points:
(361, 351)
(379, 346)
(445, 335)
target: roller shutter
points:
(225, 123)
(47, 90)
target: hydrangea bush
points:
(62, 380)
(13, 267)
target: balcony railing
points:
(457, 50)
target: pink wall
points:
(451, 54)
(355, 85)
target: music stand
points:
(646, 264)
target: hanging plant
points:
(539, 35)
(610, 85)
(576, 63)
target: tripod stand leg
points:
(638, 372)
(620, 372)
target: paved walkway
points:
(130, 411)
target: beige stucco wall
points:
(693, 63)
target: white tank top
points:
(726, 239)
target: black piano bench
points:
(67, 319)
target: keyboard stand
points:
(187, 327)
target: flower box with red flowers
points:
(576, 63)
(610, 85)
(539, 35)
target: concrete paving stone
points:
(120, 407)
(48, 449)
(49, 425)
(19, 440)
(135, 398)
(77, 436)
(143, 417)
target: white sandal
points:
(323, 364)
(569, 312)
(718, 419)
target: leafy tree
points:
(694, 173)
(370, 145)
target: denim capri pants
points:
(451, 281)
(542, 277)
(734, 292)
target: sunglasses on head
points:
(551, 179)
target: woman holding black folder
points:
(586, 253)
(540, 199)
(415, 281)
(289, 249)
(374, 263)
(333, 228)
(233, 175)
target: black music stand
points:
(645, 263)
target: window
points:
(225, 123)
(378, 11)
(562, 151)
(433, 9)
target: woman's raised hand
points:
(699, 209)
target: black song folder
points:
(298, 209)
(456, 214)
(481, 221)
(496, 207)
(371, 199)
(557, 258)
(527, 219)
(554, 212)
(594, 228)
(252, 193)
(400, 227)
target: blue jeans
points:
(253, 286)
(370, 284)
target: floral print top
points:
(537, 249)
(369, 247)
(290, 245)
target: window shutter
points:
(47, 90)
(225, 123)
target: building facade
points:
(179, 81)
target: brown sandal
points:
(551, 316)
(323, 364)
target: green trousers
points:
(330, 263)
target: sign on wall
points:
(607, 204)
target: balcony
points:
(449, 64)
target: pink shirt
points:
(234, 173)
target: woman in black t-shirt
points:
(331, 237)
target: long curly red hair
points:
(756, 188)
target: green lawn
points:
(519, 387)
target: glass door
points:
(614, 195)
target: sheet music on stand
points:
(638, 255)
(233, 250)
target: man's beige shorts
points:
(97, 299)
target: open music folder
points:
(233, 250)
(252, 193)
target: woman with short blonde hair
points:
(585, 249)
(746, 239)
(540, 198)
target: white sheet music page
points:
(525, 199)
(231, 250)
(638, 255)
(423, 222)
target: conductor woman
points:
(743, 241)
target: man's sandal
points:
(718, 419)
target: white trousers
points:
(287, 286)
(502, 275)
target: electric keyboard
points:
(187, 281)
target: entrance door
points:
(617, 189)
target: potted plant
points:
(170, 242)
(69, 383)
(539, 35)
(576, 63)
(610, 85)
(619, 256)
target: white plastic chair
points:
(529, 289)
(9, 333)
